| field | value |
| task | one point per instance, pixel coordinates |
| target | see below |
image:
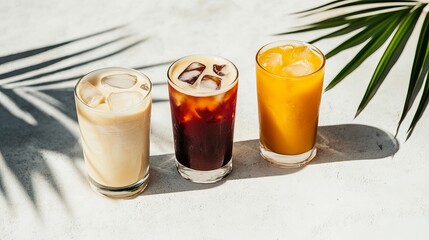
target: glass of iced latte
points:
(203, 95)
(113, 108)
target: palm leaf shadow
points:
(20, 71)
(82, 63)
(21, 148)
(36, 51)
(24, 142)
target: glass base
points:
(129, 191)
(211, 176)
(288, 161)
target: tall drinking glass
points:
(289, 77)
(203, 95)
(113, 109)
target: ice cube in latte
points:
(123, 100)
(122, 81)
(90, 94)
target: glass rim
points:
(105, 69)
(204, 94)
(318, 51)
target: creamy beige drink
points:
(113, 107)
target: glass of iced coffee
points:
(113, 108)
(203, 95)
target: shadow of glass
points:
(336, 143)
(354, 142)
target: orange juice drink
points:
(289, 76)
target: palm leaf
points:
(344, 19)
(320, 25)
(347, 3)
(370, 31)
(420, 109)
(374, 23)
(369, 2)
(370, 21)
(366, 51)
(391, 55)
(416, 79)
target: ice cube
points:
(192, 72)
(145, 86)
(301, 53)
(122, 81)
(90, 94)
(272, 60)
(286, 47)
(123, 100)
(220, 70)
(299, 68)
(211, 82)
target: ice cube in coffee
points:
(203, 94)
(211, 82)
(113, 111)
(192, 72)
(220, 70)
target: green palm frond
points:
(369, 22)
(376, 42)
(417, 74)
(391, 55)
(348, 3)
(374, 23)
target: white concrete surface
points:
(354, 189)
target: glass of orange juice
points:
(289, 78)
